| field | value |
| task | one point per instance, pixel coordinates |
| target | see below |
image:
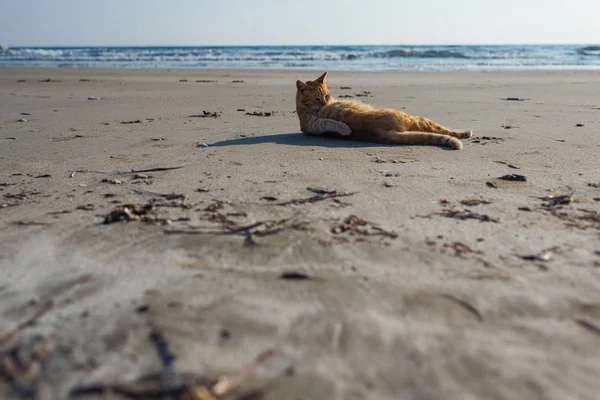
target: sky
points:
(296, 22)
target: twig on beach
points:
(167, 196)
(356, 225)
(265, 228)
(21, 365)
(250, 231)
(460, 249)
(313, 199)
(11, 334)
(466, 214)
(465, 305)
(31, 223)
(587, 325)
(509, 165)
(271, 227)
(185, 386)
(135, 171)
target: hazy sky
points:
(272, 22)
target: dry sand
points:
(447, 309)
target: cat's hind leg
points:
(421, 124)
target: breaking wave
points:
(589, 51)
(426, 54)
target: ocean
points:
(330, 58)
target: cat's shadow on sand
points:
(331, 140)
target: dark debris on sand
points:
(543, 256)
(460, 249)
(474, 202)
(50, 80)
(466, 214)
(509, 165)
(260, 113)
(320, 196)
(294, 276)
(168, 384)
(486, 139)
(359, 226)
(206, 114)
(555, 201)
(130, 212)
(513, 178)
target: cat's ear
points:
(300, 86)
(321, 79)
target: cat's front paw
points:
(344, 130)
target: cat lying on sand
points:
(320, 113)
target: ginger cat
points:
(320, 113)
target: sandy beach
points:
(375, 271)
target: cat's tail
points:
(410, 137)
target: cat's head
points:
(312, 95)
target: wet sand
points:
(449, 283)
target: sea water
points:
(330, 58)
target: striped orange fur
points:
(320, 113)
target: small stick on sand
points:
(11, 334)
